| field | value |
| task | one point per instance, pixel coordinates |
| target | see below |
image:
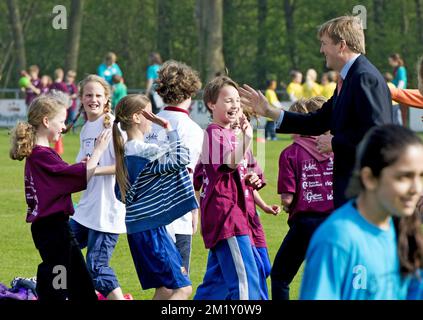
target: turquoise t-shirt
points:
(152, 72)
(351, 259)
(401, 74)
(119, 91)
(107, 72)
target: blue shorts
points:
(232, 272)
(100, 246)
(267, 265)
(157, 261)
(261, 256)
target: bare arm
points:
(100, 146)
(243, 145)
(149, 85)
(286, 200)
(270, 209)
(105, 170)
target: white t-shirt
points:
(98, 208)
(191, 136)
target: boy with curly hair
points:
(177, 84)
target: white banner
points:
(12, 111)
(416, 123)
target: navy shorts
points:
(157, 261)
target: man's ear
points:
(368, 179)
(343, 46)
(45, 122)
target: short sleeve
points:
(287, 181)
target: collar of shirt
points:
(347, 66)
(177, 109)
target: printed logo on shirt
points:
(330, 165)
(309, 165)
(152, 136)
(313, 197)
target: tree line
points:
(252, 39)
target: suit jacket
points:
(364, 102)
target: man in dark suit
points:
(361, 100)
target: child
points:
(305, 185)
(252, 180)
(99, 217)
(271, 96)
(45, 83)
(119, 90)
(60, 86)
(177, 84)
(154, 184)
(328, 83)
(295, 89)
(354, 253)
(33, 89)
(49, 183)
(73, 92)
(224, 218)
(310, 87)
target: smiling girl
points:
(49, 183)
(99, 217)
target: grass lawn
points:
(20, 258)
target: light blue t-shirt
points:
(107, 72)
(152, 72)
(351, 259)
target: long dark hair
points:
(381, 147)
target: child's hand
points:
(103, 140)
(272, 209)
(155, 119)
(252, 180)
(245, 126)
(84, 160)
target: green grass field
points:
(20, 258)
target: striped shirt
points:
(160, 187)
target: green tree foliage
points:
(134, 28)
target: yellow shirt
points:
(392, 86)
(295, 89)
(314, 90)
(328, 90)
(272, 98)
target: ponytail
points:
(71, 125)
(22, 140)
(107, 119)
(121, 171)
